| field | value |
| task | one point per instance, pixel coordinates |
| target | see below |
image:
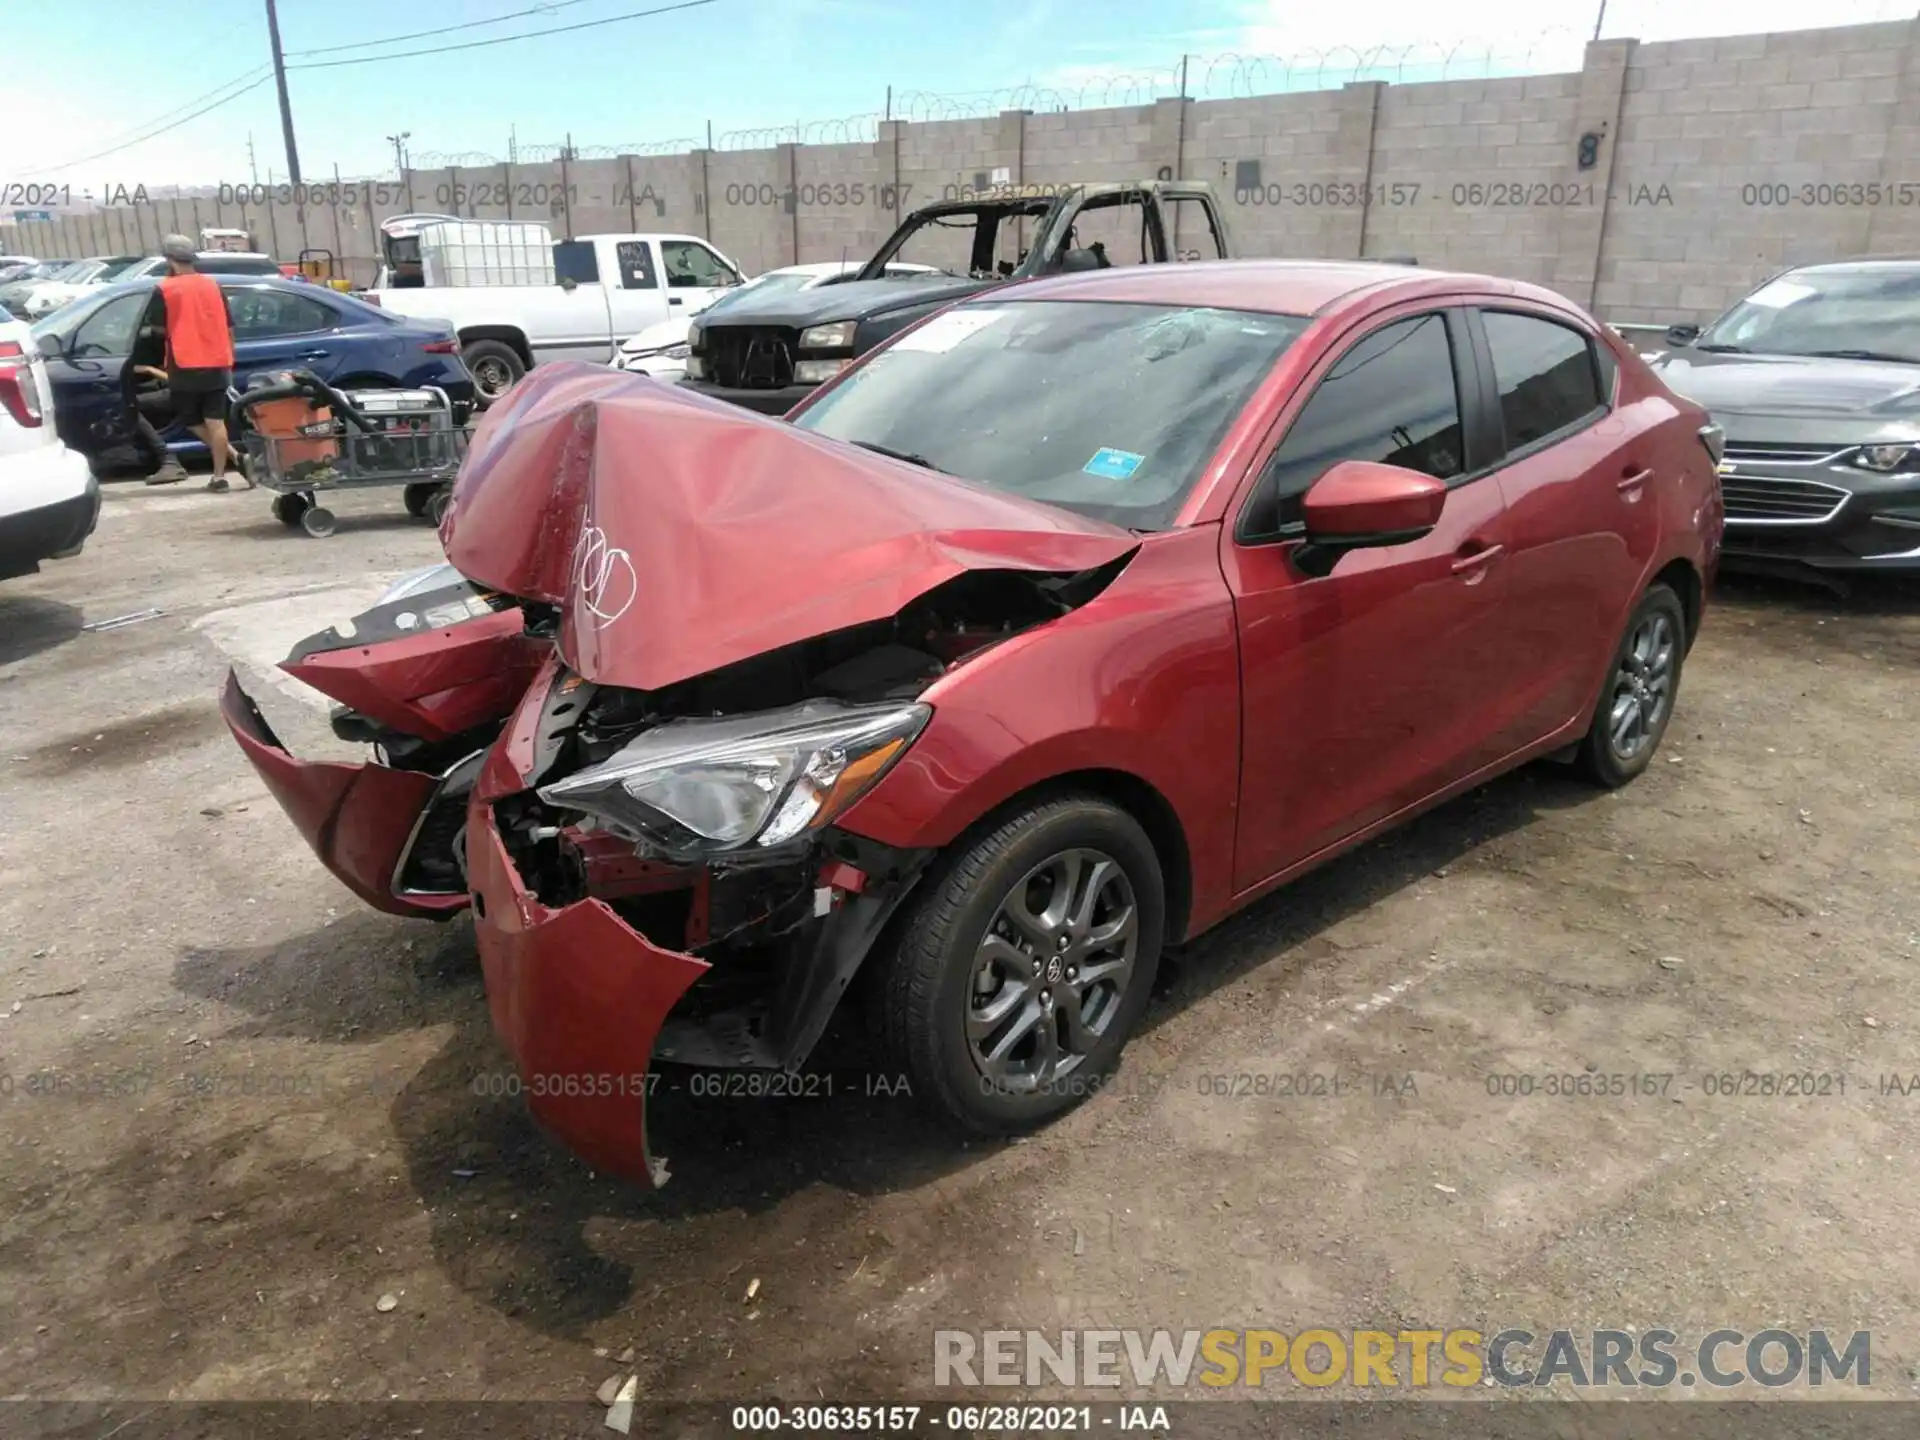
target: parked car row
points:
(91, 346)
(41, 289)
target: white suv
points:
(49, 500)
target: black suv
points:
(768, 353)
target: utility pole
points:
(1600, 19)
(253, 166)
(280, 80)
(399, 143)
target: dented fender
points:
(357, 818)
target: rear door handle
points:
(315, 354)
(1630, 484)
(1478, 560)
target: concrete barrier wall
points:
(1658, 182)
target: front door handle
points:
(315, 354)
(675, 300)
(1478, 560)
(1630, 483)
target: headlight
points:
(817, 372)
(677, 352)
(1883, 457)
(837, 336)
(695, 787)
(696, 368)
(694, 334)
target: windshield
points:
(1103, 408)
(1863, 312)
(116, 268)
(981, 242)
(68, 318)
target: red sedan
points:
(1054, 631)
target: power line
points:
(155, 134)
(505, 39)
(442, 30)
(183, 105)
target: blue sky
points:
(82, 76)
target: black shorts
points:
(199, 395)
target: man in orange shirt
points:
(199, 351)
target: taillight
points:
(442, 347)
(18, 390)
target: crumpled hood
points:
(677, 533)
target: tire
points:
(1645, 669)
(288, 509)
(318, 521)
(931, 984)
(438, 503)
(496, 368)
(418, 497)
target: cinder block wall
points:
(1710, 163)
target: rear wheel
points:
(1636, 703)
(1025, 964)
(438, 502)
(496, 368)
(318, 521)
(418, 497)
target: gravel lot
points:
(271, 1117)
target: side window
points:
(1392, 398)
(690, 264)
(574, 260)
(1546, 372)
(636, 265)
(269, 314)
(1190, 229)
(109, 330)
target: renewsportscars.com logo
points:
(1655, 1358)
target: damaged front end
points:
(659, 875)
(723, 629)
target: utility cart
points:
(303, 440)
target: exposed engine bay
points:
(784, 919)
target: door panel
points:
(1581, 518)
(1363, 690)
(278, 330)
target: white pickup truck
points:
(606, 287)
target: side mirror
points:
(1682, 334)
(49, 346)
(567, 282)
(1360, 504)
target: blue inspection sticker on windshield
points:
(1110, 464)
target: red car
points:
(1054, 631)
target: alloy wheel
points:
(1642, 686)
(1052, 970)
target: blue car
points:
(278, 324)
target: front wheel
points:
(495, 366)
(1636, 703)
(1024, 965)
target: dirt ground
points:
(239, 1107)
